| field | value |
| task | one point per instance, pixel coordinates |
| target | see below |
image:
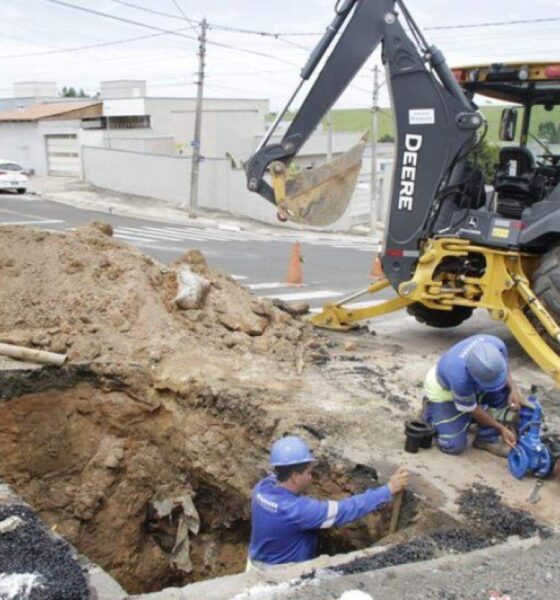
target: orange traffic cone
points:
(376, 269)
(295, 274)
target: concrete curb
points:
(279, 581)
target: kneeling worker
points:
(472, 381)
(285, 522)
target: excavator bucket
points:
(318, 196)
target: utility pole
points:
(374, 186)
(195, 143)
(329, 135)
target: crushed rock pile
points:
(99, 300)
(36, 565)
(490, 522)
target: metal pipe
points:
(353, 297)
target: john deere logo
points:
(472, 222)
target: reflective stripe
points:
(332, 511)
(450, 436)
(465, 408)
(459, 415)
(433, 390)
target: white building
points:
(44, 137)
(133, 143)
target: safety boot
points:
(497, 448)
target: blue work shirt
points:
(452, 371)
(284, 525)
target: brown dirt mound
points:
(99, 300)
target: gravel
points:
(515, 574)
(490, 522)
(30, 549)
(484, 509)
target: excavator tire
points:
(546, 286)
(439, 318)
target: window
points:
(126, 122)
(7, 166)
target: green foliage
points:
(70, 92)
(549, 132)
(487, 156)
(386, 138)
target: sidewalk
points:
(82, 195)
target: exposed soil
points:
(157, 405)
(144, 449)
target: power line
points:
(287, 34)
(167, 31)
(193, 26)
(90, 46)
(492, 24)
(210, 25)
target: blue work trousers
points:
(452, 425)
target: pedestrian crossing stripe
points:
(177, 234)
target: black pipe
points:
(329, 35)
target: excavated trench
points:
(152, 486)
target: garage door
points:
(63, 155)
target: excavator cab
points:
(529, 129)
(450, 246)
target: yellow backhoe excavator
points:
(451, 243)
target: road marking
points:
(122, 236)
(155, 233)
(306, 295)
(268, 286)
(227, 235)
(43, 222)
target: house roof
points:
(36, 112)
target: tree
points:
(549, 132)
(70, 92)
(487, 157)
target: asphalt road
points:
(333, 268)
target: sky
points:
(253, 66)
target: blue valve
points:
(530, 455)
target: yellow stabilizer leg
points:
(335, 316)
(503, 289)
(533, 343)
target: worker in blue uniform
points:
(285, 522)
(472, 382)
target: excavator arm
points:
(436, 128)
(446, 252)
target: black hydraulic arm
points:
(436, 124)
(362, 35)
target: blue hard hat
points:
(290, 450)
(487, 366)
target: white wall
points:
(25, 142)
(162, 177)
(124, 107)
(221, 187)
(20, 142)
(151, 145)
(228, 126)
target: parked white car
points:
(12, 177)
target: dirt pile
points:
(144, 449)
(97, 299)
